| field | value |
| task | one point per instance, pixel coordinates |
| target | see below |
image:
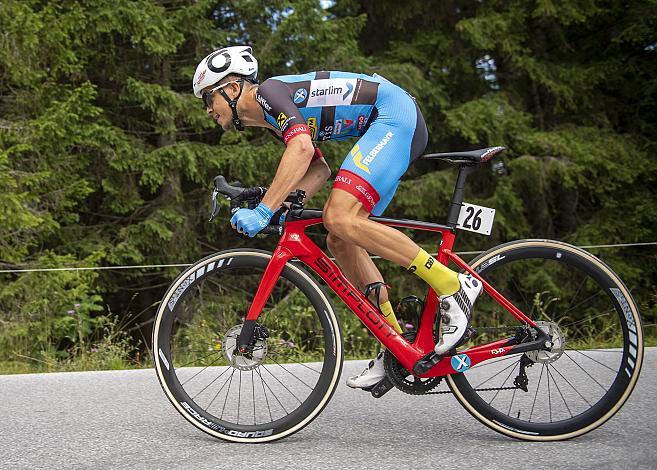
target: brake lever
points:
(215, 205)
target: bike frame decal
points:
(294, 243)
(460, 362)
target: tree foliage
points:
(106, 156)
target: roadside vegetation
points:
(106, 157)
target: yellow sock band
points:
(442, 279)
(389, 313)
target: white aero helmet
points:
(222, 62)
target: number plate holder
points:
(478, 219)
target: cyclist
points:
(391, 132)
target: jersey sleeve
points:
(275, 98)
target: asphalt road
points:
(122, 420)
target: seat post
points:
(457, 198)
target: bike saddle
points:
(471, 156)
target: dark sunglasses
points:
(208, 95)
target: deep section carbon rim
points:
(273, 390)
(597, 343)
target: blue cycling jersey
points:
(339, 105)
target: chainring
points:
(404, 380)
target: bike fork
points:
(272, 272)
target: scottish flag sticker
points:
(461, 362)
(300, 95)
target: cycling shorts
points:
(395, 138)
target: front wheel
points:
(596, 333)
(286, 378)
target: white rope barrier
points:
(183, 265)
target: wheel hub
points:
(557, 339)
(247, 361)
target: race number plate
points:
(476, 218)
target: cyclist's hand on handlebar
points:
(251, 221)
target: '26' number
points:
(474, 216)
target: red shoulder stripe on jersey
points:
(295, 131)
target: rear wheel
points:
(275, 389)
(596, 334)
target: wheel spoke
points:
(227, 393)
(536, 394)
(560, 393)
(265, 394)
(295, 362)
(282, 384)
(200, 371)
(571, 385)
(615, 371)
(213, 381)
(577, 292)
(219, 391)
(239, 398)
(501, 386)
(582, 302)
(585, 371)
(293, 375)
(498, 373)
(547, 376)
(197, 359)
(253, 397)
(271, 391)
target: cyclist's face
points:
(217, 106)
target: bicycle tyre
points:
(555, 256)
(173, 328)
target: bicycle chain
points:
(476, 390)
(396, 373)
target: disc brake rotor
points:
(246, 361)
(558, 344)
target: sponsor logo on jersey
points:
(343, 179)
(350, 88)
(263, 102)
(280, 120)
(348, 123)
(363, 163)
(331, 92)
(284, 122)
(326, 132)
(294, 131)
(312, 125)
(300, 95)
(361, 121)
(338, 126)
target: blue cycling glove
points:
(251, 221)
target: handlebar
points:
(238, 195)
(252, 196)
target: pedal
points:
(381, 388)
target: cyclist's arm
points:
(291, 170)
(302, 166)
(316, 175)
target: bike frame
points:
(294, 243)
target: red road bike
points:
(248, 346)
